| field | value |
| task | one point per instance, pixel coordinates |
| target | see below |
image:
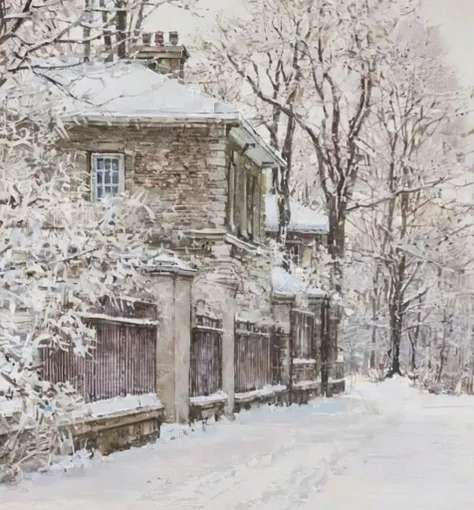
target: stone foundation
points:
(252, 399)
(120, 432)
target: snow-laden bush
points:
(59, 254)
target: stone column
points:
(182, 332)
(228, 350)
(282, 305)
(172, 289)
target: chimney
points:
(174, 38)
(165, 57)
(159, 39)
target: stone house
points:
(203, 169)
(202, 166)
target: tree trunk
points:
(87, 33)
(395, 330)
(121, 30)
(106, 32)
(396, 318)
(337, 242)
(416, 336)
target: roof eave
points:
(167, 118)
(299, 231)
(275, 159)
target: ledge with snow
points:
(270, 394)
(117, 423)
(207, 406)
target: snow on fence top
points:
(117, 405)
(302, 219)
(286, 283)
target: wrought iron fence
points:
(206, 357)
(305, 334)
(257, 356)
(122, 362)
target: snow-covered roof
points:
(285, 283)
(303, 219)
(130, 91)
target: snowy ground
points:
(380, 447)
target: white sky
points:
(456, 17)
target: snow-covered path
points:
(383, 446)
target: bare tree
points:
(321, 78)
(406, 215)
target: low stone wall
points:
(304, 391)
(203, 408)
(272, 395)
(106, 434)
(337, 386)
(112, 433)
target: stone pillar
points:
(183, 328)
(173, 296)
(228, 350)
(320, 307)
(282, 305)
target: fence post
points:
(282, 306)
(173, 292)
(291, 350)
(228, 353)
(325, 347)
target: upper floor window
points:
(107, 175)
(244, 198)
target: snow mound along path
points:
(395, 395)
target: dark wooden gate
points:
(305, 334)
(257, 356)
(305, 340)
(205, 374)
(122, 362)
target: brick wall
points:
(182, 168)
(184, 171)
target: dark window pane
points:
(107, 164)
(115, 165)
(115, 178)
(115, 190)
(99, 177)
(107, 177)
(99, 163)
(99, 192)
(107, 190)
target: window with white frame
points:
(107, 175)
